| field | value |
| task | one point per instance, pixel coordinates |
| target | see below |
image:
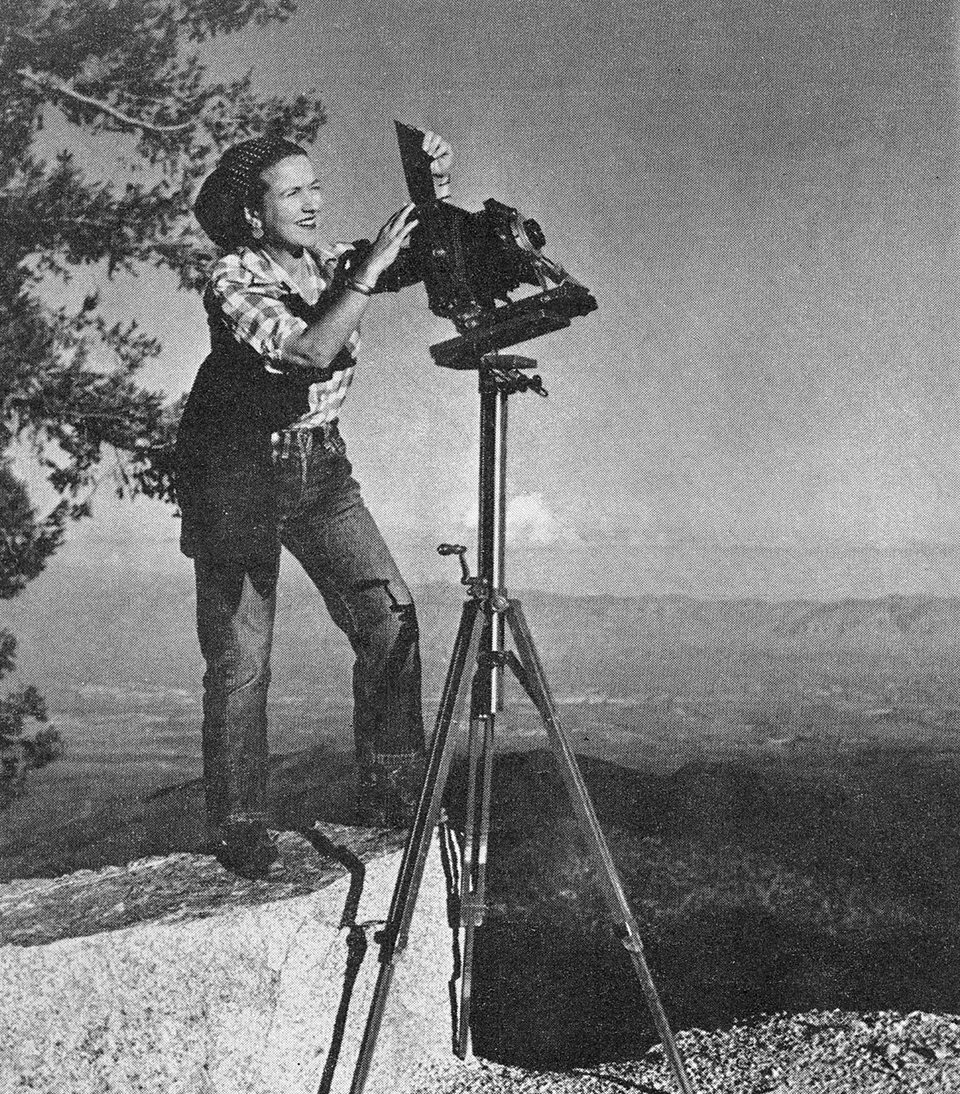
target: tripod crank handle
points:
(466, 578)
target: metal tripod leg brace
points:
(476, 670)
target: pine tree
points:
(125, 73)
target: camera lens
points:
(534, 234)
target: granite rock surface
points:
(255, 989)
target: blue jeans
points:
(325, 525)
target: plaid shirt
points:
(250, 286)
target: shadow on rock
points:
(542, 1000)
(754, 893)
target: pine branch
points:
(48, 82)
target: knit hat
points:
(220, 202)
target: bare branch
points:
(52, 83)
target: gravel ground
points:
(821, 1052)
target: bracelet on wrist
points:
(360, 286)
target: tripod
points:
(476, 667)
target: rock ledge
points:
(256, 992)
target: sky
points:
(763, 198)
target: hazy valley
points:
(651, 683)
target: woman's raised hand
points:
(391, 238)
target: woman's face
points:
(288, 209)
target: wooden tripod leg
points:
(529, 671)
(393, 937)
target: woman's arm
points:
(317, 346)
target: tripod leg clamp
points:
(472, 913)
(494, 659)
(391, 945)
(630, 939)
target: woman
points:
(261, 464)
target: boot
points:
(388, 788)
(247, 849)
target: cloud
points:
(530, 521)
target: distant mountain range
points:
(84, 624)
(624, 560)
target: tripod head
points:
(504, 374)
(472, 262)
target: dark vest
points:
(224, 454)
(224, 466)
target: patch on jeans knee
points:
(409, 630)
(379, 583)
(406, 639)
(398, 607)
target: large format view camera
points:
(471, 262)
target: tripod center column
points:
(493, 517)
